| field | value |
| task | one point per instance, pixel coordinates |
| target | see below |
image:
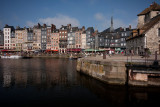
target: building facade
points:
(63, 35)
(146, 38)
(55, 41)
(9, 32)
(48, 38)
(83, 41)
(19, 35)
(44, 37)
(1, 40)
(89, 38)
(37, 37)
(71, 45)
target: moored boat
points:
(12, 56)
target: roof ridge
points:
(153, 6)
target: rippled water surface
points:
(55, 82)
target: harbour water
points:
(55, 82)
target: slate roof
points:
(151, 23)
(38, 26)
(56, 31)
(153, 7)
(145, 27)
(12, 28)
(65, 27)
(74, 29)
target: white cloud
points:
(30, 23)
(99, 16)
(104, 22)
(58, 20)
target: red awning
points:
(51, 50)
(55, 50)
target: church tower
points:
(111, 28)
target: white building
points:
(9, 32)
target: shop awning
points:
(48, 50)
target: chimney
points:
(17, 27)
(69, 26)
(130, 27)
(39, 25)
(83, 28)
(44, 25)
(6, 25)
(53, 27)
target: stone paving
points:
(125, 58)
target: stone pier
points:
(111, 72)
(119, 72)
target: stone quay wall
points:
(111, 72)
(118, 73)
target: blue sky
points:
(88, 13)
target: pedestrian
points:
(110, 53)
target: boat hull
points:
(11, 57)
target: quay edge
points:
(118, 72)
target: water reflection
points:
(51, 82)
(38, 72)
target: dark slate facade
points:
(89, 38)
(44, 37)
(115, 40)
(1, 39)
(71, 37)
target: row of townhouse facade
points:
(63, 40)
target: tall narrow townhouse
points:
(55, 41)
(78, 38)
(71, 46)
(50, 29)
(37, 37)
(48, 37)
(44, 37)
(8, 32)
(19, 38)
(89, 39)
(83, 40)
(24, 44)
(30, 39)
(63, 33)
